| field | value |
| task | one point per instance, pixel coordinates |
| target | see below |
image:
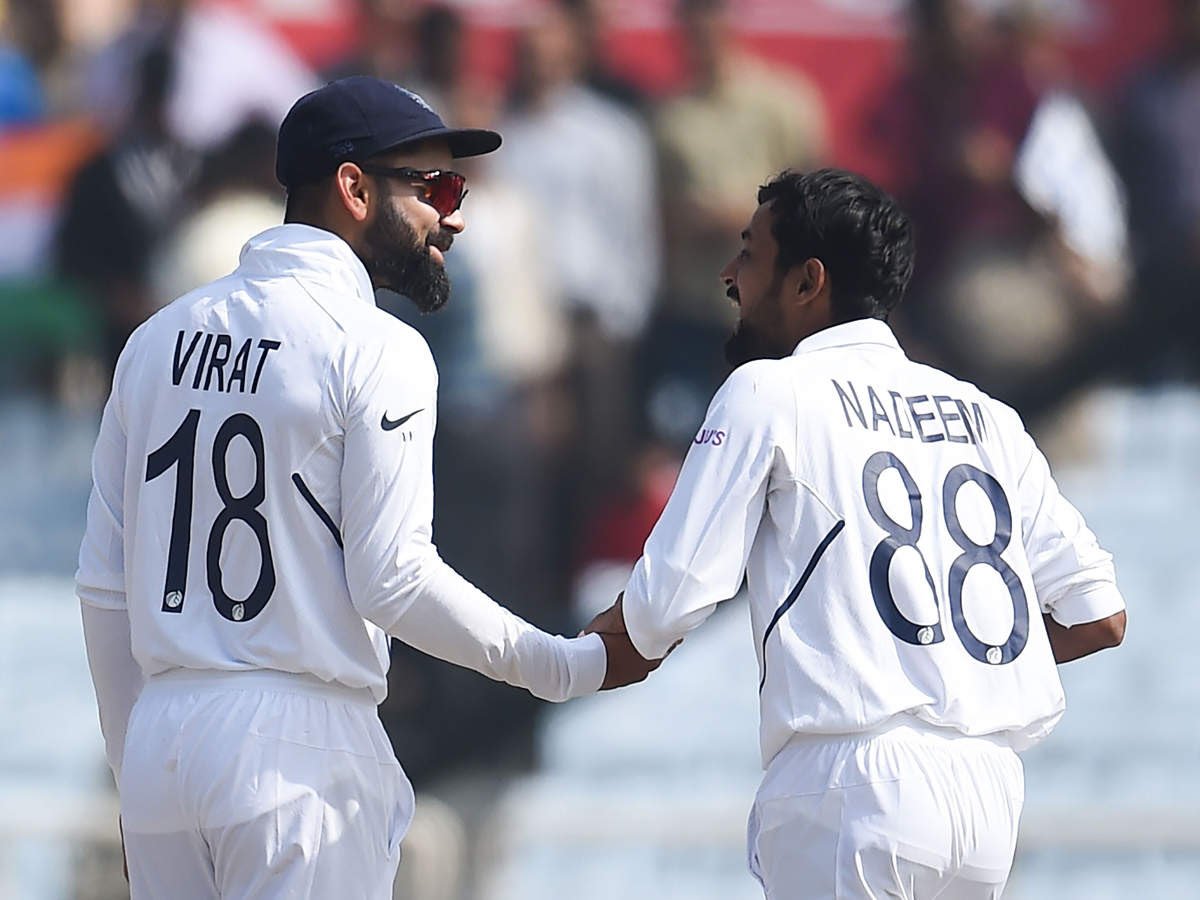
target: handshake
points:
(625, 664)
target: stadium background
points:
(1062, 281)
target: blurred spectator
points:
(28, 36)
(121, 204)
(385, 43)
(21, 101)
(616, 534)
(235, 197)
(622, 524)
(45, 328)
(1159, 152)
(589, 166)
(522, 320)
(229, 68)
(949, 126)
(420, 46)
(591, 23)
(1021, 248)
(21, 94)
(740, 122)
(439, 64)
(112, 83)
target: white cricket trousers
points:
(240, 785)
(910, 812)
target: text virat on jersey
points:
(216, 352)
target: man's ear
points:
(810, 281)
(353, 190)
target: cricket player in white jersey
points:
(913, 572)
(260, 525)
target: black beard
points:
(747, 344)
(397, 261)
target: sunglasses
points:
(442, 189)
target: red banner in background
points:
(849, 48)
(786, 16)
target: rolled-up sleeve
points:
(1073, 575)
(696, 554)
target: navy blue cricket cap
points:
(353, 119)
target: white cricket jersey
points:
(263, 491)
(900, 536)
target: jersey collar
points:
(308, 252)
(847, 334)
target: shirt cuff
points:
(648, 640)
(587, 662)
(100, 598)
(1092, 604)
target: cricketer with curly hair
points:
(913, 573)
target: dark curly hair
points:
(857, 230)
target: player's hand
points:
(611, 621)
(625, 665)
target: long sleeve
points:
(696, 555)
(116, 676)
(396, 577)
(1073, 576)
(455, 621)
(100, 578)
(387, 477)
(100, 585)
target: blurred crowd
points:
(1058, 243)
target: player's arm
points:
(396, 577)
(1073, 576)
(696, 554)
(1086, 638)
(100, 586)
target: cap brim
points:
(472, 141)
(462, 141)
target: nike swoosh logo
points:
(388, 424)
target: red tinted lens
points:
(446, 191)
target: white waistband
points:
(901, 725)
(261, 680)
